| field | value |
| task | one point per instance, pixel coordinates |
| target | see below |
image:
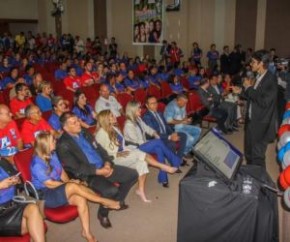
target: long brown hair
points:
(103, 122)
(42, 148)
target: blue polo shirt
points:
(86, 117)
(131, 83)
(28, 79)
(176, 87)
(193, 81)
(40, 171)
(6, 194)
(7, 80)
(60, 74)
(91, 154)
(54, 122)
(43, 103)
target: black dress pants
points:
(255, 144)
(124, 176)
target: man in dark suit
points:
(208, 101)
(156, 121)
(83, 158)
(261, 117)
(218, 99)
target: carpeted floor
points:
(155, 222)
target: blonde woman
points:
(111, 138)
(57, 189)
(135, 131)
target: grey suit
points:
(230, 108)
(214, 110)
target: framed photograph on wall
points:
(147, 22)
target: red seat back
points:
(22, 161)
(154, 91)
(140, 96)
(124, 98)
(165, 89)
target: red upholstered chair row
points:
(62, 214)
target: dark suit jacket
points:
(73, 158)
(203, 98)
(151, 121)
(217, 98)
(264, 106)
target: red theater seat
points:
(62, 214)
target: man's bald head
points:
(5, 115)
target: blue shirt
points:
(43, 103)
(153, 78)
(4, 69)
(7, 80)
(193, 81)
(54, 122)
(5, 194)
(91, 154)
(60, 74)
(176, 87)
(173, 111)
(87, 116)
(28, 79)
(131, 83)
(213, 55)
(120, 87)
(40, 171)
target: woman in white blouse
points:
(111, 139)
(135, 131)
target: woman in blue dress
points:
(55, 187)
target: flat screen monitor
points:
(218, 153)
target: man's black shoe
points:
(123, 206)
(104, 221)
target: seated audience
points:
(61, 72)
(9, 81)
(10, 139)
(175, 114)
(72, 81)
(135, 131)
(17, 219)
(208, 102)
(83, 158)
(83, 110)
(193, 78)
(131, 82)
(33, 125)
(21, 101)
(43, 98)
(56, 189)
(12, 92)
(89, 77)
(218, 99)
(112, 139)
(107, 101)
(28, 75)
(37, 79)
(156, 121)
(59, 107)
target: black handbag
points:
(11, 219)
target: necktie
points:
(160, 123)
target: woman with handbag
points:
(56, 189)
(17, 218)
